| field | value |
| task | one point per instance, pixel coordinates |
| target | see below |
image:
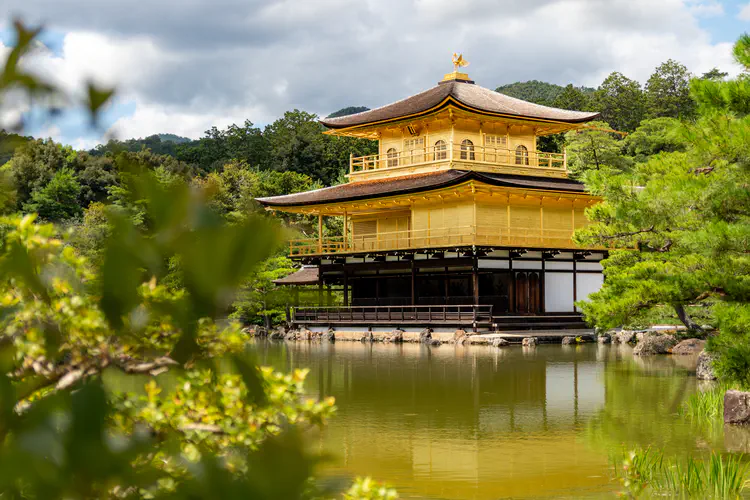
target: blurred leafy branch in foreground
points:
(208, 423)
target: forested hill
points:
(348, 111)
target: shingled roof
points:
(417, 183)
(463, 94)
(306, 275)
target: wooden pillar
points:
(512, 297)
(575, 283)
(320, 233)
(475, 280)
(475, 290)
(413, 282)
(541, 286)
(346, 288)
(445, 285)
(346, 232)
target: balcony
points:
(536, 237)
(450, 155)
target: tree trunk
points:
(267, 321)
(686, 320)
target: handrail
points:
(452, 313)
(434, 237)
(459, 152)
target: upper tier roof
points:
(417, 183)
(462, 94)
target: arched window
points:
(392, 156)
(467, 150)
(441, 150)
(522, 155)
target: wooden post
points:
(351, 163)
(413, 282)
(512, 297)
(565, 158)
(346, 232)
(475, 287)
(320, 233)
(575, 283)
(346, 289)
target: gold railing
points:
(458, 152)
(435, 238)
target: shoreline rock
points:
(529, 342)
(737, 408)
(704, 370)
(689, 346)
(654, 344)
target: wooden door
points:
(528, 293)
(522, 292)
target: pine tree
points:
(681, 224)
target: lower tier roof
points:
(415, 184)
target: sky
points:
(182, 66)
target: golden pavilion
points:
(459, 220)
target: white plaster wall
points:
(558, 292)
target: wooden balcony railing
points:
(459, 152)
(435, 238)
(410, 314)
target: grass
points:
(706, 405)
(648, 472)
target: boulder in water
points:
(568, 340)
(604, 338)
(689, 346)
(704, 370)
(655, 344)
(425, 336)
(396, 336)
(529, 342)
(329, 336)
(625, 337)
(500, 343)
(737, 407)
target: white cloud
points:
(744, 13)
(196, 65)
(705, 8)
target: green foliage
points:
(648, 471)
(533, 91)
(574, 98)
(350, 110)
(706, 406)
(260, 300)
(367, 489)
(668, 92)
(714, 74)
(592, 149)
(33, 166)
(652, 137)
(58, 200)
(621, 102)
(681, 220)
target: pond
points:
(455, 422)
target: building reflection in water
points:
(461, 421)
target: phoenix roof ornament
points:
(459, 61)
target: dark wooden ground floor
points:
(468, 287)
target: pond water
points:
(456, 422)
